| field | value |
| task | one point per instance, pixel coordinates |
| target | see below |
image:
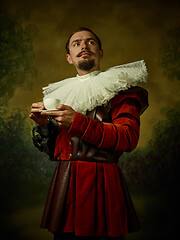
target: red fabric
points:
(121, 135)
(95, 203)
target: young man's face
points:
(84, 52)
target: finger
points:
(60, 123)
(32, 116)
(58, 119)
(37, 105)
(63, 107)
(51, 113)
(36, 110)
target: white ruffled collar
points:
(86, 92)
(87, 76)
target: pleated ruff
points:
(86, 92)
(95, 203)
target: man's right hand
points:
(36, 114)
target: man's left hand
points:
(64, 115)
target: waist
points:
(82, 151)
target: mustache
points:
(87, 51)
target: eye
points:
(76, 44)
(91, 42)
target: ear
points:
(101, 53)
(68, 57)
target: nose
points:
(84, 45)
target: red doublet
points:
(95, 203)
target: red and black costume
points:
(88, 195)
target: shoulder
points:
(139, 95)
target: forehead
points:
(82, 35)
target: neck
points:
(83, 72)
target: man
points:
(97, 121)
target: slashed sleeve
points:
(121, 134)
(44, 138)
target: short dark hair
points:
(79, 29)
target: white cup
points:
(51, 103)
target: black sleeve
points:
(44, 138)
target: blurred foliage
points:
(156, 166)
(152, 174)
(17, 59)
(170, 60)
(25, 173)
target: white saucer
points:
(48, 110)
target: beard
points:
(86, 65)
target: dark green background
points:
(32, 54)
